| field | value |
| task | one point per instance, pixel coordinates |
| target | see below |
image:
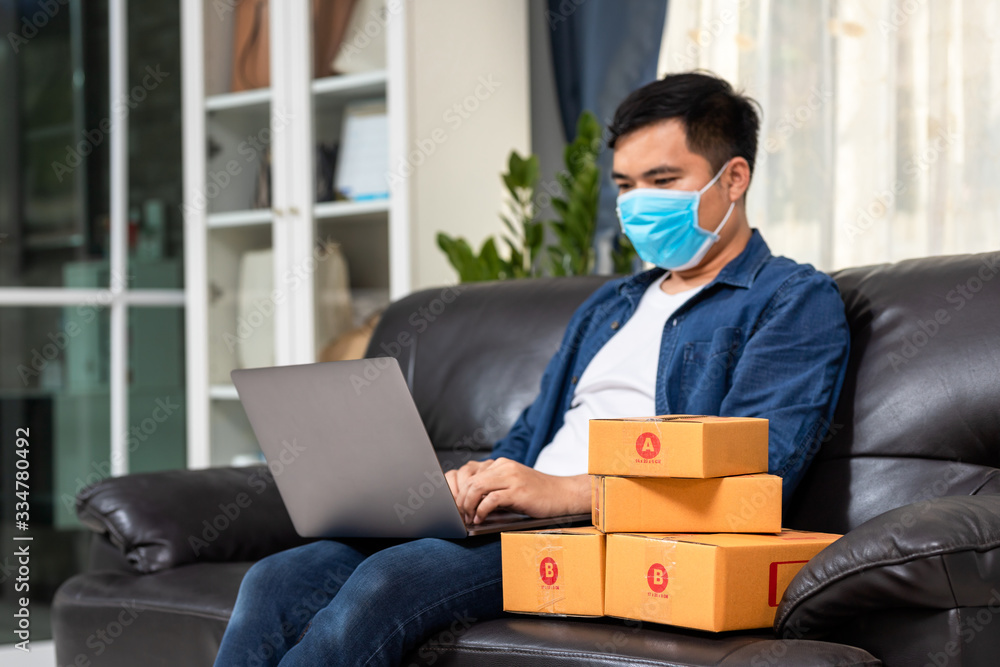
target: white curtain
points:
(881, 120)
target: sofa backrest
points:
(473, 354)
(918, 416)
(919, 413)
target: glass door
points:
(91, 269)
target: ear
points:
(736, 180)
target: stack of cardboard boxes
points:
(687, 530)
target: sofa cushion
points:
(161, 520)
(178, 617)
(118, 619)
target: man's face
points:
(657, 156)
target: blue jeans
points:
(360, 602)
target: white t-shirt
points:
(620, 381)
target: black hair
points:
(720, 124)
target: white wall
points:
(468, 99)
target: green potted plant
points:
(572, 252)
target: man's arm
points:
(791, 371)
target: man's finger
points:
(490, 502)
(465, 474)
(463, 489)
(478, 487)
(470, 499)
(475, 467)
(461, 482)
(452, 477)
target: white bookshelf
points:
(224, 128)
(440, 54)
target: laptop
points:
(351, 456)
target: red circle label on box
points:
(648, 445)
(548, 571)
(656, 577)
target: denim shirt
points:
(767, 337)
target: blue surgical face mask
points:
(663, 225)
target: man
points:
(719, 326)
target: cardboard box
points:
(707, 582)
(555, 571)
(678, 446)
(742, 504)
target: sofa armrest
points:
(938, 554)
(164, 519)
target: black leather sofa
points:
(909, 472)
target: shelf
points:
(350, 85)
(350, 209)
(322, 211)
(327, 89)
(259, 216)
(223, 392)
(245, 99)
(332, 92)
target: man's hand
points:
(480, 487)
(458, 479)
